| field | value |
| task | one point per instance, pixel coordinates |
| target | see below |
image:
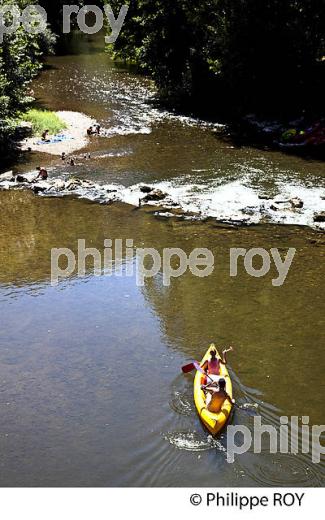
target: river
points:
(91, 387)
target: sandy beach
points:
(75, 135)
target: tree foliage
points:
(241, 55)
(20, 61)
(54, 11)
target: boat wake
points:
(194, 441)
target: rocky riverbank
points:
(300, 136)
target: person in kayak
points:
(212, 366)
(216, 396)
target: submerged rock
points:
(319, 217)
(289, 204)
(155, 196)
(73, 184)
(87, 184)
(39, 188)
(146, 189)
(21, 178)
(250, 211)
(297, 203)
(164, 214)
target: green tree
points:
(54, 12)
(20, 61)
(236, 55)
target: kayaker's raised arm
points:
(224, 355)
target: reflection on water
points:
(181, 400)
(281, 470)
(90, 384)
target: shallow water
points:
(91, 392)
(192, 160)
(90, 382)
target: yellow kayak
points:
(214, 422)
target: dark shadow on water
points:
(49, 66)
(77, 43)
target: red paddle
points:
(193, 366)
(188, 368)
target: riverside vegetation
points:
(256, 64)
(21, 60)
(223, 58)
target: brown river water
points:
(91, 389)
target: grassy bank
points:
(42, 120)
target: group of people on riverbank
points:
(92, 130)
(72, 161)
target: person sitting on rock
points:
(216, 396)
(90, 131)
(97, 129)
(63, 156)
(43, 175)
(45, 135)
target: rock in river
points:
(21, 178)
(146, 189)
(155, 196)
(297, 203)
(73, 184)
(319, 217)
(40, 188)
(58, 185)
